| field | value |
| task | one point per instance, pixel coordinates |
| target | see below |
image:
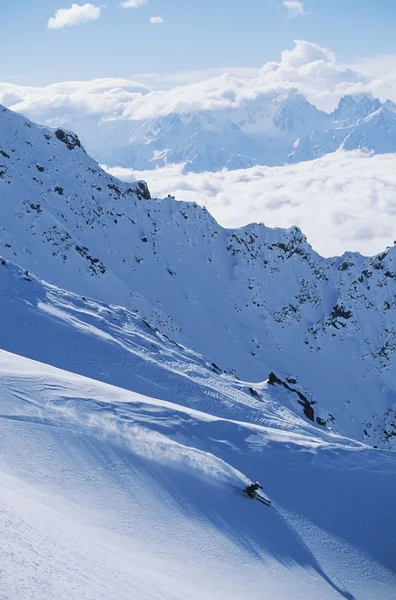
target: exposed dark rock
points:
(339, 312)
(345, 265)
(143, 192)
(68, 138)
(115, 188)
(302, 400)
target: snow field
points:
(105, 492)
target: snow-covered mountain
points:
(360, 123)
(253, 301)
(272, 129)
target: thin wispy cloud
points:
(133, 3)
(75, 15)
(295, 8)
(156, 20)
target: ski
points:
(263, 500)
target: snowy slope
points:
(257, 300)
(106, 493)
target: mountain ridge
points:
(260, 300)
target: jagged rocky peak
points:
(294, 111)
(355, 106)
(360, 122)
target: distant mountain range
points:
(273, 129)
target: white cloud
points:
(295, 8)
(156, 20)
(133, 3)
(59, 102)
(75, 15)
(342, 201)
(314, 71)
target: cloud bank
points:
(307, 67)
(342, 201)
(75, 15)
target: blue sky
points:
(195, 35)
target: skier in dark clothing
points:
(252, 489)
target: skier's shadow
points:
(274, 538)
(315, 565)
(261, 531)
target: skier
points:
(252, 489)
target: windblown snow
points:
(153, 363)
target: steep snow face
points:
(107, 493)
(253, 301)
